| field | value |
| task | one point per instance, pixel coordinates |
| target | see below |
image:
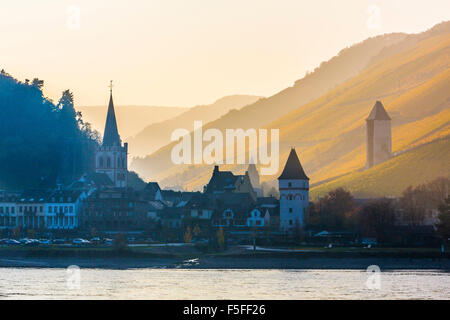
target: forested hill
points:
(40, 141)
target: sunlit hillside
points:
(390, 178)
(348, 63)
(413, 86)
(329, 132)
(130, 119)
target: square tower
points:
(379, 140)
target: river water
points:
(51, 283)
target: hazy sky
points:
(187, 52)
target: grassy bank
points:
(147, 252)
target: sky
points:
(189, 52)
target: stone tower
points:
(294, 194)
(111, 156)
(379, 140)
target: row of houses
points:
(94, 202)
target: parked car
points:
(24, 240)
(12, 242)
(108, 241)
(96, 240)
(45, 241)
(80, 241)
(59, 241)
(31, 243)
(3, 241)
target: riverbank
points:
(233, 258)
(228, 263)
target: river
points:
(160, 283)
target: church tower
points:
(253, 174)
(294, 194)
(111, 156)
(379, 140)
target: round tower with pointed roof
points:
(379, 139)
(111, 156)
(293, 184)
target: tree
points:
(188, 235)
(412, 204)
(40, 140)
(444, 219)
(220, 237)
(330, 211)
(377, 218)
(197, 230)
(30, 233)
(416, 203)
(16, 232)
(120, 242)
(93, 232)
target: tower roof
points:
(111, 135)
(293, 170)
(378, 112)
(252, 169)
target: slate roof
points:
(111, 134)
(293, 170)
(378, 112)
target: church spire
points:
(111, 135)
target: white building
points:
(8, 213)
(294, 194)
(63, 209)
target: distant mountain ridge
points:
(156, 135)
(131, 119)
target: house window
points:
(289, 184)
(290, 222)
(13, 209)
(100, 162)
(290, 210)
(108, 162)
